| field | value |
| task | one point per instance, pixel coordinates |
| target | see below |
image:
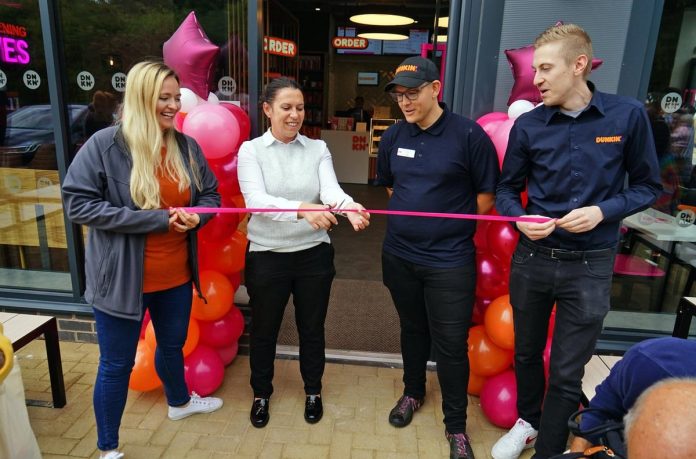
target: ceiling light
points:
(381, 19)
(442, 38)
(443, 22)
(317, 9)
(383, 36)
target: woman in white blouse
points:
(289, 251)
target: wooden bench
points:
(596, 370)
(21, 329)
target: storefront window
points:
(661, 241)
(33, 249)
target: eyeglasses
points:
(411, 94)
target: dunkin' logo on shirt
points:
(609, 139)
(407, 68)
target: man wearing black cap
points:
(436, 161)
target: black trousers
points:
(434, 305)
(270, 279)
(579, 283)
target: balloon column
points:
(219, 127)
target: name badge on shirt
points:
(405, 152)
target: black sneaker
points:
(259, 413)
(402, 413)
(460, 446)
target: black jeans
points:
(579, 283)
(270, 279)
(434, 304)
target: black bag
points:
(611, 438)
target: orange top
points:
(166, 254)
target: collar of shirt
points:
(597, 102)
(269, 139)
(436, 128)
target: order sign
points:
(349, 42)
(279, 46)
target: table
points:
(662, 227)
(21, 329)
(596, 371)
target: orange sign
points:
(279, 46)
(349, 42)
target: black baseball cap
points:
(413, 72)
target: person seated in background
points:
(358, 112)
(661, 424)
(643, 365)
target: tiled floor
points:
(357, 400)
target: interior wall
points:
(606, 22)
(343, 82)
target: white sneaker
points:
(197, 404)
(522, 436)
(112, 455)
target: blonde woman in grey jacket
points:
(127, 184)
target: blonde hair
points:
(145, 138)
(575, 42)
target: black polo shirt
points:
(439, 169)
(569, 162)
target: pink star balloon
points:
(192, 55)
(520, 61)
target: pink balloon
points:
(242, 119)
(224, 331)
(492, 116)
(500, 139)
(547, 357)
(502, 239)
(192, 56)
(492, 279)
(480, 306)
(143, 327)
(228, 353)
(226, 173)
(179, 121)
(499, 399)
(520, 61)
(203, 370)
(215, 129)
(552, 322)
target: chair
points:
(682, 324)
(631, 270)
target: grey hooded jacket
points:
(96, 193)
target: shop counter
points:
(350, 152)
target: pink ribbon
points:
(407, 213)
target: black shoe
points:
(259, 413)
(402, 413)
(313, 409)
(460, 446)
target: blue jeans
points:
(579, 283)
(118, 339)
(434, 304)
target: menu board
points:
(411, 46)
(373, 46)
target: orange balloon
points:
(498, 322)
(226, 255)
(475, 384)
(218, 291)
(239, 203)
(485, 358)
(144, 376)
(192, 336)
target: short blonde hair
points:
(575, 42)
